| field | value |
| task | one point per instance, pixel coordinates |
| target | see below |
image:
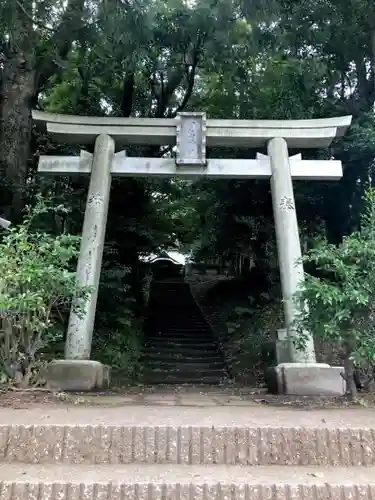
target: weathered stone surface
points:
(189, 445)
(215, 168)
(288, 244)
(191, 139)
(282, 348)
(233, 133)
(4, 223)
(311, 379)
(300, 379)
(81, 325)
(185, 483)
(77, 375)
(182, 453)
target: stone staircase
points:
(180, 347)
(155, 453)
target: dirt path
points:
(188, 396)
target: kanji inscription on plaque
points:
(191, 139)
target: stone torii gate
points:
(191, 133)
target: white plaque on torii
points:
(191, 139)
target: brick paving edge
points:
(98, 491)
(186, 445)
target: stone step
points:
(248, 435)
(183, 327)
(163, 304)
(180, 358)
(150, 482)
(182, 380)
(173, 377)
(185, 334)
(170, 352)
(182, 331)
(190, 370)
(175, 298)
(183, 350)
(179, 316)
(179, 374)
(174, 334)
(186, 365)
(180, 325)
(157, 309)
(177, 336)
(177, 344)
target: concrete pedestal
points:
(306, 379)
(77, 375)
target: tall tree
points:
(35, 38)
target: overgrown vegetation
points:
(118, 334)
(340, 297)
(245, 326)
(37, 283)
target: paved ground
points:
(183, 416)
(181, 396)
(159, 474)
(67, 434)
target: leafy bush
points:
(250, 329)
(121, 348)
(36, 281)
(118, 336)
(341, 298)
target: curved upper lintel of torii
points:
(299, 134)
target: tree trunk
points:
(21, 79)
(17, 93)
(372, 42)
(351, 387)
(136, 286)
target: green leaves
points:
(340, 296)
(37, 280)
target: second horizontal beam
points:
(327, 170)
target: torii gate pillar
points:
(81, 325)
(288, 244)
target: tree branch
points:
(127, 94)
(61, 40)
(191, 65)
(162, 152)
(30, 17)
(167, 91)
(84, 90)
(190, 85)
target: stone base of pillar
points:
(306, 379)
(77, 375)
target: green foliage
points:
(244, 325)
(121, 348)
(340, 298)
(36, 283)
(118, 337)
(250, 329)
